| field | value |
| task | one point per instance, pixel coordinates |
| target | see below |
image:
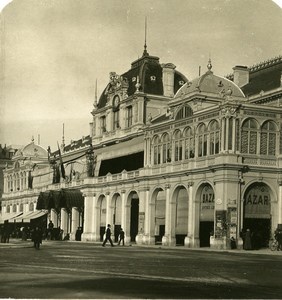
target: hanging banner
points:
(257, 202)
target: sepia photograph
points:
(140, 149)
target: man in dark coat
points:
(121, 237)
(37, 237)
(108, 236)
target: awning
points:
(9, 216)
(27, 217)
(63, 198)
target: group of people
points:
(108, 236)
(278, 237)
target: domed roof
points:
(31, 151)
(209, 83)
(148, 72)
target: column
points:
(279, 221)
(189, 239)
(109, 216)
(74, 222)
(89, 216)
(64, 222)
(142, 216)
(169, 238)
(222, 138)
(227, 134)
(233, 135)
(149, 236)
(54, 218)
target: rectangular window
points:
(103, 124)
(116, 120)
(129, 116)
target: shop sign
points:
(257, 203)
(207, 204)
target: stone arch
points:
(179, 213)
(204, 222)
(116, 208)
(132, 215)
(101, 215)
(259, 209)
(157, 213)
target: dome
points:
(31, 151)
(209, 83)
(148, 73)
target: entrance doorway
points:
(206, 230)
(257, 217)
(206, 227)
(134, 218)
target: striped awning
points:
(28, 216)
(9, 216)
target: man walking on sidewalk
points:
(108, 236)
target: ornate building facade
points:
(171, 161)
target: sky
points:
(52, 52)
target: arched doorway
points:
(102, 215)
(257, 214)
(160, 205)
(134, 215)
(181, 215)
(206, 215)
(116, 208)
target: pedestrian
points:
(108, 236)
(50, 230)
(121, 237)
(279, 239)
(37, 237)
(248, 240)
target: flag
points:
(61, 163)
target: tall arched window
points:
(249, 136)
(166, 148)
(14, 208)
(21, 207)
(177, 140)
(268, 138)
(202, 140)
(157, 150)
(8, 209)
(189, 143)
(214, 137)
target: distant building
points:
(170, 160)
(6, 154)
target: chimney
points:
(241, 75)
(168, 79)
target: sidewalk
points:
(18, 243)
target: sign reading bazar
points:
(257, 202)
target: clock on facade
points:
(116, 101)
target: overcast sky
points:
(52, 52)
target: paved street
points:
(87, 270)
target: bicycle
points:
(273, 245)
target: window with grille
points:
(202, 140)
(249, 137)
(268, 138)
(214, 137)
(129, 116)
(189, 143)
(166, 148)
(116, 120)
(177, 145)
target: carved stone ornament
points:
(229, 111)
(117, 83)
